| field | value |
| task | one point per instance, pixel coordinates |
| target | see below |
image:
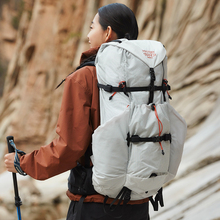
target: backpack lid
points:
(149, 51)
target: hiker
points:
(79, 117)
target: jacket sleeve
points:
(74, 129)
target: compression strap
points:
(136, 138)
(110, 89)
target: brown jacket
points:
(78, 118)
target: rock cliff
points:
(51, 35)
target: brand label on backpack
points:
(149, 54)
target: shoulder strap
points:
(88, 63)
(88, 153)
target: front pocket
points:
(145, 187)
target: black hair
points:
(120, 18)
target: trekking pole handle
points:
(10, 148)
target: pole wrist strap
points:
(16, 160)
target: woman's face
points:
(97, 35)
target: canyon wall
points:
(52, 34)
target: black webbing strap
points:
(88, 153)
(158, 199)
(124, 195)
(136, 138)
(88, 63)
(79, 208)
(152, 79)
(110, 89)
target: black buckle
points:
(128, 139)
(157, 139)
(167, 137)
(108, 88)
(135, 138)
(122, 85)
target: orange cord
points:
(121, 85)
(112, 95)
(160, 125)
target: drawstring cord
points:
(160, 125)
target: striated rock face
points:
(190, 32)
(52, 34)
(9, 16)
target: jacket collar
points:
(85, 55)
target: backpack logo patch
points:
(149, 54)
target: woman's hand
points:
(9, 162)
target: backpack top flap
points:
(131, 61)
(149, 51)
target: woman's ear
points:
(110, 34)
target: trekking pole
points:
(18, 203)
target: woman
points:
(79, 117)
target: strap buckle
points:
(108, 88)
(167, 137)
(122, 85)
(157, 139)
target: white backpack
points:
(138, 146)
